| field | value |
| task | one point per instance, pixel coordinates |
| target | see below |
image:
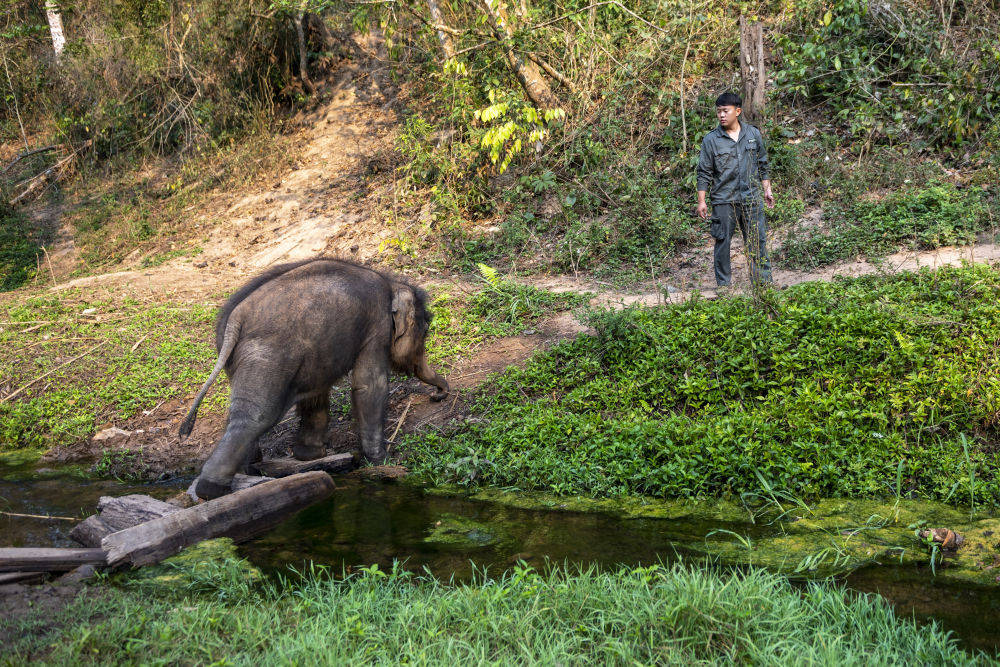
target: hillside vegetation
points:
(866, 101)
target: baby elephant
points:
(286, 336)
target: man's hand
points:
(702, 210)
(768, 195)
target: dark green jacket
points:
(733, 169)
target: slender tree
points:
(56, 28)
(526, 71)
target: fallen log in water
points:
(240, 516)
(335, 463)
(14, 559)
(118, 514)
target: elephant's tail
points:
(228, 343)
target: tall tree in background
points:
(56, 28)
(527, 73)
(300, 15)
(443, 32)
(752, 68)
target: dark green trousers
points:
(750, 219)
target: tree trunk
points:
(752, 69)
(447, 44)
(56, 28)
(527, 73)
(303, 61)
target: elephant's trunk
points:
(427, 374)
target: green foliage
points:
(715, 398)
(926, 75)
(628, 615)
(503, 307)
(151, 78)
(111, 382)
(18, 249)
(120, 464)
(925, 218)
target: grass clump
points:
(853, 388)
(501, 307)
(927, 218)
(18, 249)
(98, 362)
(644, 615)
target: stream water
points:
(367, 523)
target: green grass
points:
(674, 614)
(500, 308)
(822, 394)
(921, 219)
(134, 357)
(18, 249)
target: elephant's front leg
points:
(369, 393)
(314, 414)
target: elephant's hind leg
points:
(314, 414)
(255, 406)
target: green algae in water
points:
(452, 531)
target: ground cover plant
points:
(919, 219)
(500, 307)
(213, 612)
(869, 387)
(70, 364)
(18, 249)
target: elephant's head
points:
(411, 320)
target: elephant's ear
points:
(402, 307)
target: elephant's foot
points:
(207, 489)
(304, 451)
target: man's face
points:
(727, 115)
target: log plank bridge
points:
(136, 530)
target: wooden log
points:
(240, 516)
(119, 513)
(23, 577)
(13, 559)
(241, 482)
(126, 511)
(90, 531)
(335, 463)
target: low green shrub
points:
(18, 249)
(645, 615)
(926, 218)
(825, 394)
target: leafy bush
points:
(932, 217)
(141, 77)
(896, 72)
(714, 398)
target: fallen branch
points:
(35, 184)
(50, 372)
(27, 154)
(552, 72)
(40, 516)
(402, 418)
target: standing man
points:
(734, 162)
